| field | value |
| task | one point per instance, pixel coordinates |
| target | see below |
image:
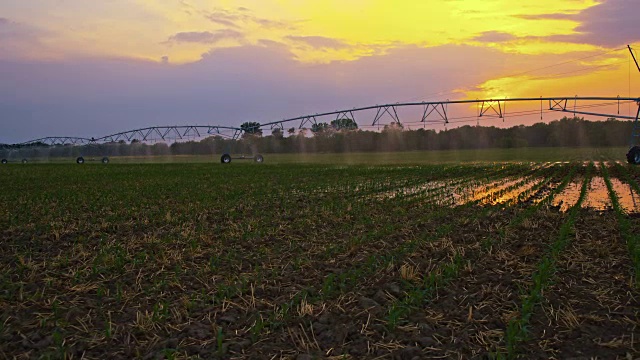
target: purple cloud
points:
(228, 86)
(555, 16)
(611, 23)
(273, 24)
(221, 21)
(494, 36)
(206, 37)
(319, 41)
(15, 37)
(243, 15)
(225, 17)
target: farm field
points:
(533, 259)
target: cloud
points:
(224, 17)
(555, 16)
(205, 37)
(243, 16)
(20, 30)
(494, 36)
(274, 24)
(222, 21)
(228, 86)
(319, 41)
(21, 40)
(271, 44)
(610, 23)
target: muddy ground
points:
(319, 262)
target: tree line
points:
(343, 135)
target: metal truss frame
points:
(164, 133)
(432, 112)
(148, 134)
(437, 111)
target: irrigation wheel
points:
(258, 158)
(4, 161)
(80, 160)
(105, 160)
(633, 156)
(24, 161)
(225, 159)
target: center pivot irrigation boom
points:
(432, 113)
(154, 134)
(439, 112)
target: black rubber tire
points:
(80, 160)
(225, 159)
(24, 161)
(258, 158)
(105, 160)
(4, 161)
(633, 156)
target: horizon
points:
(331, 131)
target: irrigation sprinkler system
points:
(431, 113)
(153, 134)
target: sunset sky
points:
(90, 68)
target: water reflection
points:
(518, 189)
(569, 196)
(597, 195)
(626, 196)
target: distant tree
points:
(344, 124)
(277, 133)
(251, 128)
(319, 127)
(393, 126)
(291, 131)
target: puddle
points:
(628, 199)
(569, 196)
(597, 195)
(544, 192)
(484, 192)
(514, 194)
(510, 190)
(410, 190)
(467, 192)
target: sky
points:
(92, 68)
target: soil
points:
(335, 273)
